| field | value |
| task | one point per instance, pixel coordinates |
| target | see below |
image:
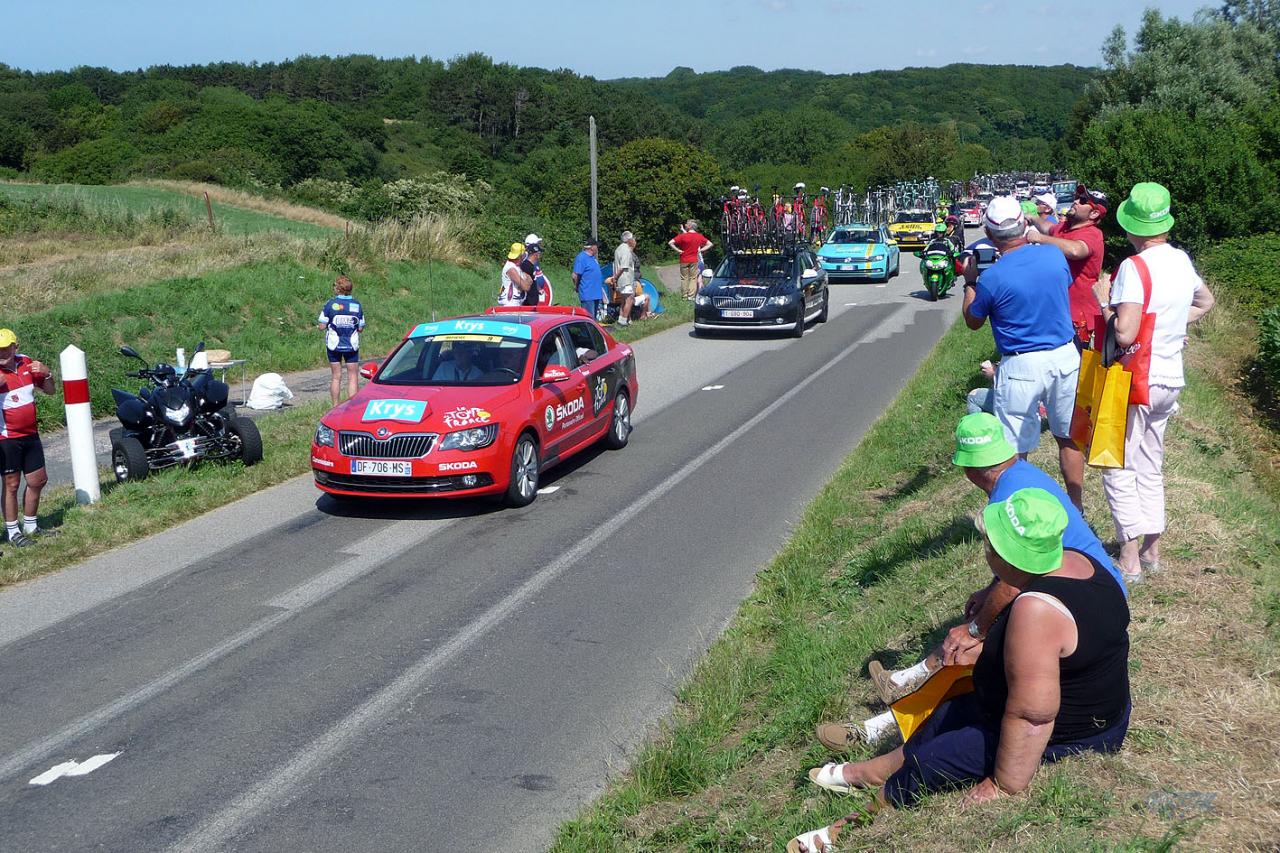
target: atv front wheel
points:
(250, 440)
(129, 459)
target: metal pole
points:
(595, 231)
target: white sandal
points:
(831, 777)
(809, 841)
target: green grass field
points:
(142, 199)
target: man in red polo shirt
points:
(1080, 239)
(21, 453)
(690, 244)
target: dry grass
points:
(249, 201)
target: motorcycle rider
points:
(954, 232)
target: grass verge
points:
(880, 565)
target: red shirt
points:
(689, 242)
(19, 413)
(1084, 274)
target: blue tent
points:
(655, 297)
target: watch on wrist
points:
(974, 631)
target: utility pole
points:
(595, 234)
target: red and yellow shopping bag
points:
(1110, 418)
(1082, 415)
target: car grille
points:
(403, 446)
(738, 301)
(399, 485)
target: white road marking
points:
(547, 490)
(882, 285)
(712, 387)
(73, 768)
(215, 832)
(850, 304)
(354, 561)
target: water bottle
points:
(181, 361)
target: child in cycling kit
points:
(342, 318)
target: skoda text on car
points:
(479, 405)
(911, 229)
(764, 291)
(859, 252)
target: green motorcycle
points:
(938, 265)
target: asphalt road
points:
(288, 674)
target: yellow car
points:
(911, 229)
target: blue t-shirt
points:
(1078, 536)
(1025, 296)
(344, 318)
(590, 280)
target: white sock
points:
(880, 726)
(11, 527)
(903, 676)
(28, 524)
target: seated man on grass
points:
(990, 463)
(1051, 679)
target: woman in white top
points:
(1178, 297)
(515, 282)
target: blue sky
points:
(605, 39)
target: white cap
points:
(799, 186)
(1002, 210)
(531, 239)
(1049, 200)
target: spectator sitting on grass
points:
(989, 462)
(979, 399)
(1051, 679)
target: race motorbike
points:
(175, 419)
(938, 267)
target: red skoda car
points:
(479, 405)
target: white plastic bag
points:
(269, 392)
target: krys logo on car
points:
(409, 411)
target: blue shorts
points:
(956, 747)
(336, 356)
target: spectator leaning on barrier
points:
(20, 447)
(1024, 294)
(690, 244)
(588, 279)
(1178, 297)
(342, 319)
(514, 280)
(626, 275)
(1080, 239)
(1051, 679)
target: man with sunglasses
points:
(1080, 239)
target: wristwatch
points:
(974, 631)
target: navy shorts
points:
(956, 748)
(22, 455)
(335, 357)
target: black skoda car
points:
(762, 291)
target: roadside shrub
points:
(1269, 350)
(404, 200)
(98, 161)
(1248, 268)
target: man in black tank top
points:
(1065, 641)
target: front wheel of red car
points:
(523, 486)
(620, 424)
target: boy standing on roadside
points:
(20, 447)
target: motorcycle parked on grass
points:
(177, 419)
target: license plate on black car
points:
(738, 314)
(379, 468)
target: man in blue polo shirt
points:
(990, 463)
(587, 278)
(1024, 294)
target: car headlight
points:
(877, 257)
(700, 299)
(324, 436)
(470, 439)
(781, 300)
(177, 416)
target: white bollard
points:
(75, 394)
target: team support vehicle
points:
(763, 290)
(911, 229)
(853, 252)
(970, 212)
(1065, 192)
(479, 405)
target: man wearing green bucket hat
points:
(1051, 679)
(1178, 296)
(990, 463)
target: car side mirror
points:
(554, 373)
(708, 274)
(368, 369)
(809, 275)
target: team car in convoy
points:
(970, 212)
(911, 229)
(479, 405)
(859, 252)
(762, 290)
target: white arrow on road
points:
(73, 768)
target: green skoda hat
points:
(980, 442)
(1026, 530)
(1146, 211)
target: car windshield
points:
(452, 358)
(851, 236)
(754, 266)
(1065, 190)
(913, 216)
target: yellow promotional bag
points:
(1110, 419)
(912, 710)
